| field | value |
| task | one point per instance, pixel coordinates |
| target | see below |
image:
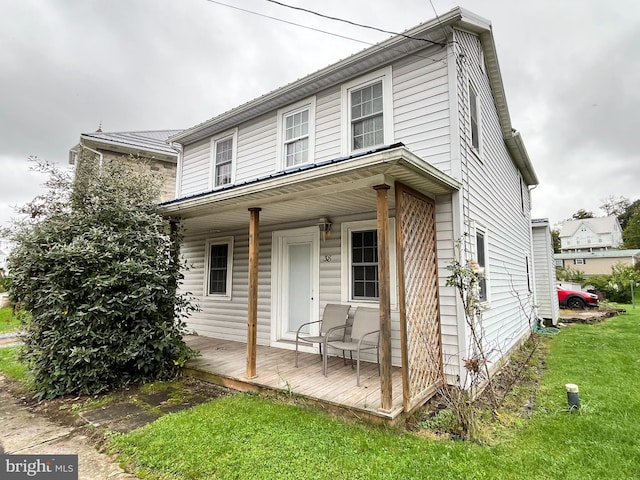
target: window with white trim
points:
(218, 268)
(296, 138)
(296, 130)
(474, 115)
(223, 153)
(364, 265)
(481, 259)
(368, 114)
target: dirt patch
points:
(515, 387)
(121, 410)
(589, 316)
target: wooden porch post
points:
(386, 389)
(252, 310)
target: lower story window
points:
(364, 265)
(219, 254)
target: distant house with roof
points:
(590, 235)
(150, 147)
(597, 262)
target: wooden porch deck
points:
(224, 362)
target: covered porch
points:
(223, 362)
(247, 334)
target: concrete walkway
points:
(24, 433)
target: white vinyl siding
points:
(544, 273)
(327, 138)
(421, 108)
(492, 199)
(196, 166)
(257, 148)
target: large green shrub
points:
(616, 287)
(97, 267)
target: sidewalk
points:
(25, 433)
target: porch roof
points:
(339, 186)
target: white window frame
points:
(229, 134)
(207, 258)
(478, 105)
(346, 229)
(579, 261)
(283, 113)
(484, 270)
(384, 74)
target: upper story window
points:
(223, 152)
(219, 259)
(367, 126)
(368, 114)
(296, 129)
(296, 141)
(474, 114)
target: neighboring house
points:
(376, 165)
(544, 269)
(150, 147)
(597, 263)
(590, 235)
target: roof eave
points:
(110, 143)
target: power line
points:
(355, 24)
(434, 60)
(290, 23)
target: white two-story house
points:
(590, 235)
(353, 185)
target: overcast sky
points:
(571, 70)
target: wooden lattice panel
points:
(420, 318)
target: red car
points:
(576, 299)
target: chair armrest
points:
(327, 335)
(368, 333)
(304, 325)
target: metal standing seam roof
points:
(152, 140)
(281, 173)
(368, 59)
(600, 254)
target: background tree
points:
(555, 240)
(96, 267)
(614, 206)
(628, 212)
(582, 213)
(631, 231)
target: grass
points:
(246, 436)
(8, 322)
(10, 366)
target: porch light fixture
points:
(325, 228)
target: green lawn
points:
(10, 366)
(8, 323)
(245, 436)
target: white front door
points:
(296, 258)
